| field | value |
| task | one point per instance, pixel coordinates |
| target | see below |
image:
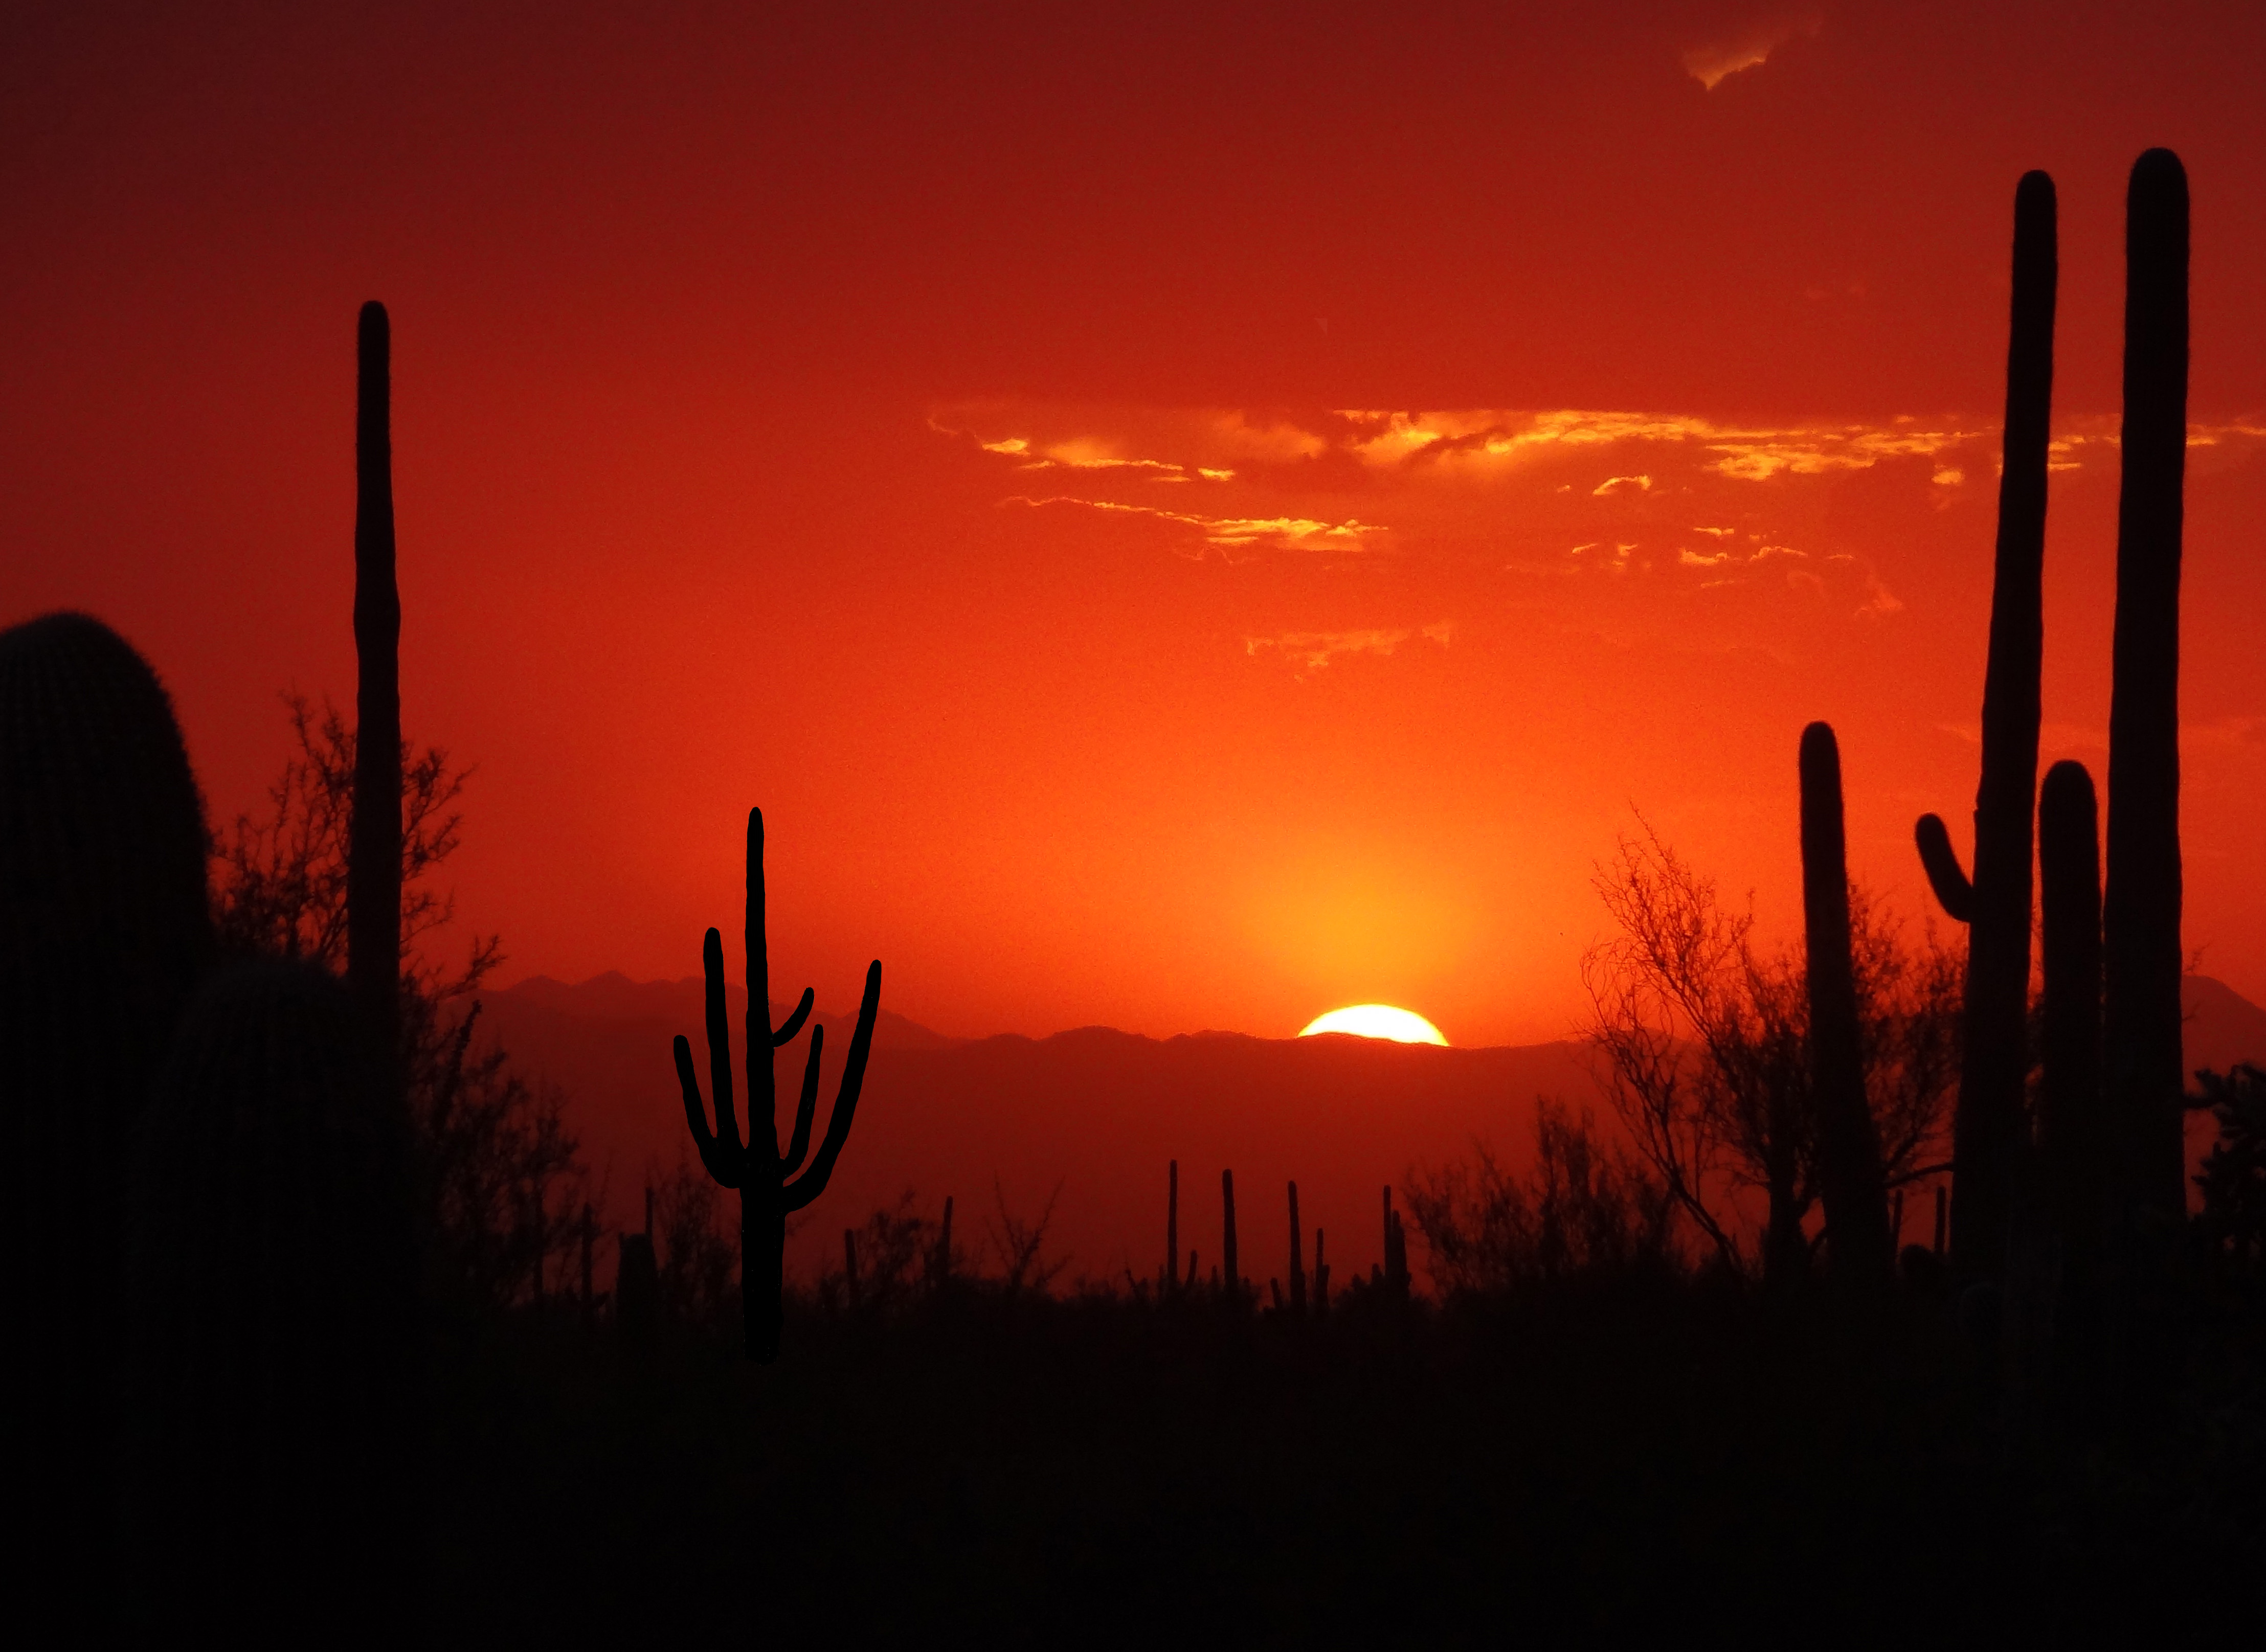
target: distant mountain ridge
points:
(1100, 1112)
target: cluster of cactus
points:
(227, 1159)
(758, 1167)
(2108, 1139)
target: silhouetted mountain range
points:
(1102, 1111)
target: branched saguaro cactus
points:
(374, 847)
(2140, 914)
(1859, 1247)
(757, 1167)
(1987, 1127)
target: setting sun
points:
(1376, 1020)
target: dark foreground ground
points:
(1581, 1467)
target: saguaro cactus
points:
(756, 1167)
(272, 1424)
(1171, 1230)
(2070, 1134)
(2141, 913)
(102, 928)
(1848, 1146)
(1396, 1251)
(374, 847)
(1233, 1279)
(1298, 1264)
(1987, 1127)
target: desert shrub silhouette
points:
(1989, 1123)
(275, 1358)
(102, 931)
(756, 1167)
(2233, 1221)
(1584, 1212)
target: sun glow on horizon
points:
(1376, 1020)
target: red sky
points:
(753, 380)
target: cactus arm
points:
(794, 1024)
(720, 1043)
(804, 1107)
(845, 1102)
(1952, 888)
(696, 1114)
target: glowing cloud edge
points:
(1376, 1020)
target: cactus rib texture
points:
(1859, 1245)
(756, 1167)
(2140, 911)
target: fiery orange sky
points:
(1182, 521)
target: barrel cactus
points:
(273, 1349)
(103, 928)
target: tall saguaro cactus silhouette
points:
(1987, 1127)
(2140, 911)
(757, 1167)
(1859, 1245)
(2070, 1136)
(374, 849)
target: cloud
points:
(1307, 652)
(1622, 485)
(1750, 48)
(1293, 533)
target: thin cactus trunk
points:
(374, 849)
(2140, 914)
(2070, 1134)
(1321, 1277)
(1987, 1127)
(1298, 1264)
(1233, 1280)
(1849, 1149)
(1172, 1225)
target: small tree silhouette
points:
(500, 1177)
(1701, 1038)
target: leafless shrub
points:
(1702, 1041)
(1586, 1209)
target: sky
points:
(1183, 516)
